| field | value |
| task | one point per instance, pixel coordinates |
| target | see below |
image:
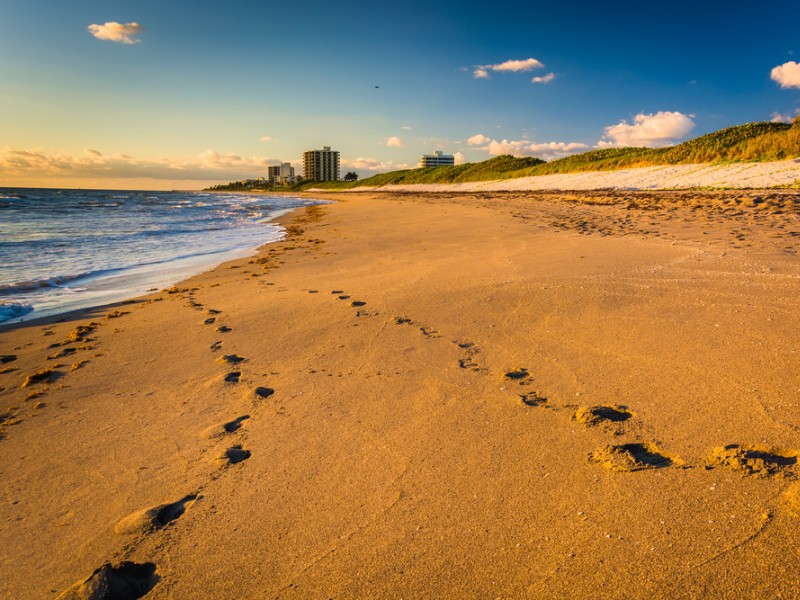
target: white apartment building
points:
(437, 159)
(282, 174)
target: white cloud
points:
(406, 127)
(787, 75)
(544, 78)
(112, 31)
(394, 142)
(777, 117)
(654, 131)
(478, 140)
(509, 66)
(546, 150)
(459, 158)
(265, 138)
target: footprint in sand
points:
(402, 321)
(216, 431)
(337, 292)
(62, 354)
(429, 332)
(233, 377)
(760, 461)
(210, 321)
(216, 346)
(468, 363)
(223, 329)
(156, 517)
(234, 454)
(534, 399)
(470, 351)
(519, 375)
(263, 392)
(7, 358)
(121, 581)
(633, 457)
(232, 359)
(595, 415)
(357, 303)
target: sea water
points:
(62, 250)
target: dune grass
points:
(751, 142)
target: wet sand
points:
(541, 395)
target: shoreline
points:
(124, 284)
(515, 394)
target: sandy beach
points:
(476, 395)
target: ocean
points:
(62, 250)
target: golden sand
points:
(461, 396)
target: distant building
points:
(321, 165)
(282, 174)
(437, 159)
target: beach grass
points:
(751, 142)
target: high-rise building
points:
(437, 160)
(282, 174)
(321, 165)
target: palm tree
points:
(351, 176)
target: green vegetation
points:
(487, 170)
(751, 142)
(743, 143)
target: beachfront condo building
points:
(282, 174)
(321, 165)
(437, 159)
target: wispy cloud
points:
(265, 138)
(373, 165)
(122, 33)
(653, 131)
(787, 75)
(544, 78)
(406, 128)
(209, 165)
(543, 150)
(509, 66)
(394, 142)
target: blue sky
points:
(213, 91)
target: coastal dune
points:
(736, 175)
(476, 395)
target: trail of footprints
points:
(639, 455)
(126, 580)
(38, 383)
